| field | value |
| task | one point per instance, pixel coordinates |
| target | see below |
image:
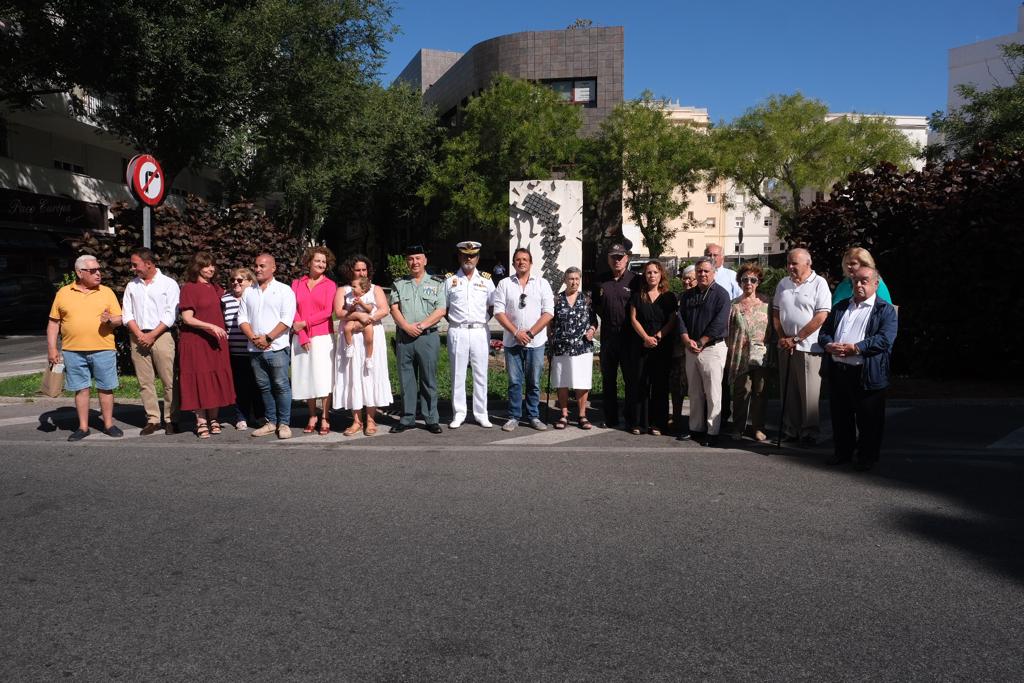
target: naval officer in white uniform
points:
(469, 294)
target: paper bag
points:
(53, 380)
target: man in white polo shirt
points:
(150, 307)
(802, 302)
(265, 316)
(524, 305)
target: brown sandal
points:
(354, 428)
(215, 426)
(325, 427)
(584, 423)
(371, 427)
(562, 423)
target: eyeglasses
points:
(238, 279)
(617, 257)
(522, 301)
(748, 280)
(91, 271)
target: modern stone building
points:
(583, 65)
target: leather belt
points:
(467, 326)
(712, 343)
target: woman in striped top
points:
(248, 404)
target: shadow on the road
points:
(65, 418)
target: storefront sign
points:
(40, 210)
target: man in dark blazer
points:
(857, 338)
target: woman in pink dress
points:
(205, 364)
(313, 341)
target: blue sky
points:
(862, 55)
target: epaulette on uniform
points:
(447, 275)
(438, 278)
(485, 275)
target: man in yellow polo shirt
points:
(85, 314)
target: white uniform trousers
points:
(469, 346)
(704, 379)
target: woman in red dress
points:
(205, 364)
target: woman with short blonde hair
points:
(854, 258)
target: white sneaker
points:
(241, 425)
(266, 429)
(457, 422)
(485, 423)
(368, 364)
(350, 351)
(510, 425)
(538, 424)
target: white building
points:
(981, 64)
(59, 174)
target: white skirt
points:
(572, 372)
(356, 387)
(313, 370)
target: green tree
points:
(513, 130)
(785, 146)
(993, 116)
(658, 164)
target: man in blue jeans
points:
(524, 305)
(265, 316)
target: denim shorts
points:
(80, 367)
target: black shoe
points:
(150, 428)
(709, 441)
(114, 431)
(838, 459)
(808, 442)
(171, 428)
(399, 428)
(78, 435)
(862, 465)
(434, 428)
(698, 437)
(685, 436)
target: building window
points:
(739, 221)
(782, 246)
(767, 247)
(710, 223)
(689, 215)
(819, 196)
(739, 247)
(68, 166)
(711, 198)
(689, 244)
(768, 222)
(581, 91)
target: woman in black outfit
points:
(652, 314)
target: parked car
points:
(25, 302)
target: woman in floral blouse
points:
(748, 326)
(572, 340)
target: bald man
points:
(265, 317)
(802, 302)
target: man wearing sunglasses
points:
(469, 300)
(85, 314)
(611, 301)
(524, 305)
(150, 308)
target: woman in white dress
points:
(572, 345)
(313, 341)
(357, 386)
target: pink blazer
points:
(315, 307)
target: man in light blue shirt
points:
(723, 276)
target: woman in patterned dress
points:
(572, 343)
(748, 327)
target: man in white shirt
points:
(858, 337)
(723, 276)
(469, 298)
(802, 302)
(150, 307)
(265, 316)
(524, 305)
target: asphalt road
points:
(480, 555)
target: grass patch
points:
(28, 386)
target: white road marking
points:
(1012, 441)
(548, 438)
(12, 421)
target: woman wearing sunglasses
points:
(248, 403)
(748, 326)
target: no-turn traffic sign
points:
(146, 179)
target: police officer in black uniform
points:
(611, 301)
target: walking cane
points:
(785, 392)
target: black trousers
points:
(858, 416)
(248, 401)
(651, 390)
(616, 353)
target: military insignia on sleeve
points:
(486, 276)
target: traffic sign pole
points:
(147, 226)
(145, 181)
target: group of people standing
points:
(262, 344)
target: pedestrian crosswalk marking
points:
(552, 436)
(1012, 441)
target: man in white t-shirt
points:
(802, 302)
(265, 316)
(524, 305)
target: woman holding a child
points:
(313, 341)
(361, 379)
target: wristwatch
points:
(529, 334)
(797, 340)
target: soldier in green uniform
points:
(417, 304)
